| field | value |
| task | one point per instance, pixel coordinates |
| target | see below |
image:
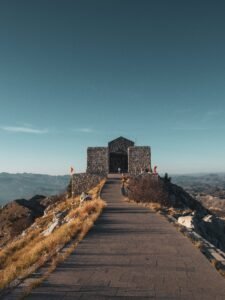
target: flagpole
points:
(72, 185)
(72, 191)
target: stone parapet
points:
(83, 182)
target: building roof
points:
(121, 138)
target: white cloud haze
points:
(18, 129)
(85, 130)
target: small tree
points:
(167, 178)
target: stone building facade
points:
(120, 153)
(139, 159)
(97, 160)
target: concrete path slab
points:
(132, 253)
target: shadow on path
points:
(132, 253)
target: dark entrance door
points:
(118, 160)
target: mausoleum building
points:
(121, 154)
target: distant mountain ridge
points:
(27, 185)
(203, 183)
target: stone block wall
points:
(139, 158)
(97, 160)
(83, 182)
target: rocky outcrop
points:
(187, 221)
(58, 219)
(212, 228)
(34, 204)
(17, 215)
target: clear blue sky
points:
(79, 73)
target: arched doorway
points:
(118, 154)
(118, 160)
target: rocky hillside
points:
(19, 214)
(209, 189)
(65, 222)
(152, 188)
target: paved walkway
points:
(132, 253)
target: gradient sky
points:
(78, 73)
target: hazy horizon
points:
(76, 74)
(160, 173)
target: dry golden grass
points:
(151, 205)
(44, 221)
(87, 225)
(15, 246)
(155, 206)
(35, 248)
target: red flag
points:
(71, 170)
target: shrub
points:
(148, 188)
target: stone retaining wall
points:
(83, 182)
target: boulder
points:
(51, 228)
(61, 214)
(212, 229)
(187, 221)
(208, 219)
(58, 219)
(85, 197)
